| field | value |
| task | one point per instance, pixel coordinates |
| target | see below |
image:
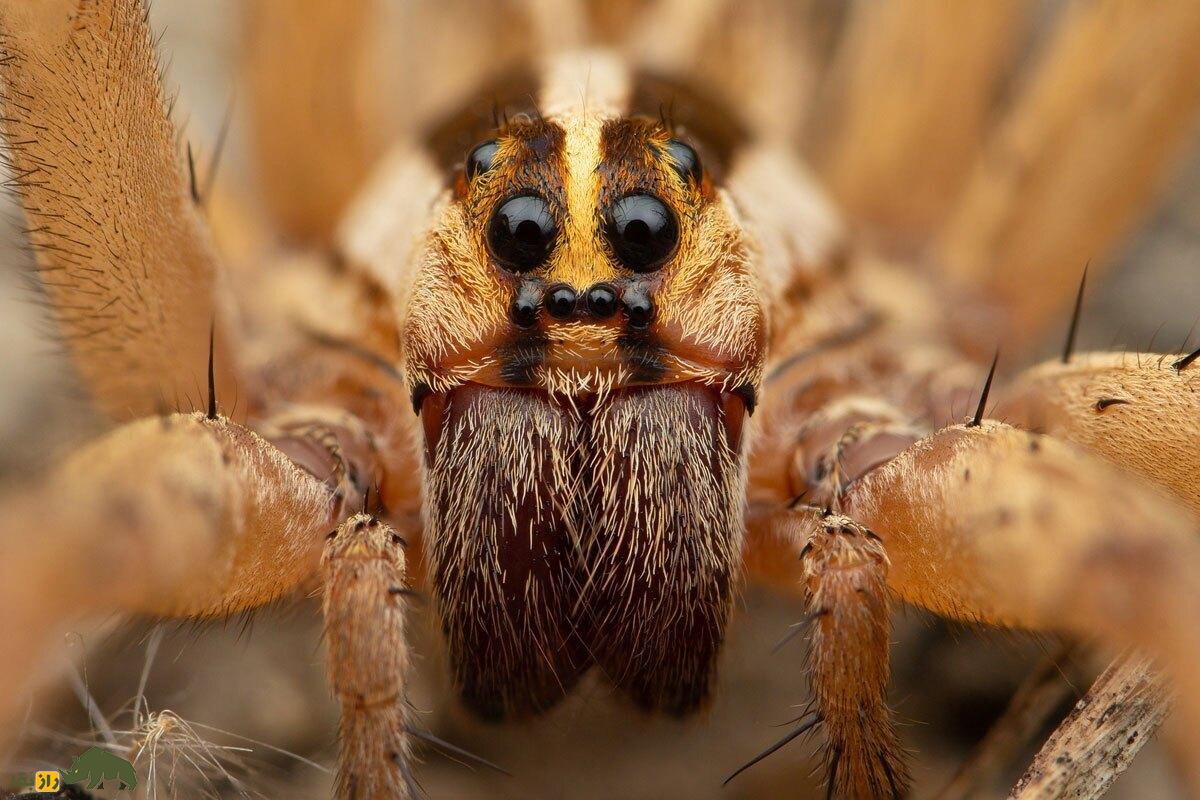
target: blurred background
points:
(260, 680)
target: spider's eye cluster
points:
(521, 233)
(480, 159)
(685, 161)
(642, 231)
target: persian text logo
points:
(47, 781)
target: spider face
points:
(585, 338)
(582, 255)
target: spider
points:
(586, 348)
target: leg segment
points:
(845, 572)
(181, 516)
(988, 523)
(913, 85)
(316, 132)
(1141, 412)
(124, 259)
(364, 601)
(993, 524)
(1079, 157)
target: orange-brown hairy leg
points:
(844, 571)
(990, 523)
(852, 394)
(124, 259)
(316, 132)
(181, 516)
(1079, 157)
(913, 85)
(733, 51)
(368, 658)
(382, 229)
(1141, 412)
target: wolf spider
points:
(580, 354)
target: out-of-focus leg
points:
(1139, 411)
(316, 129)
(912, 91)
(124, 259)
(179, 516)
(1079, 158)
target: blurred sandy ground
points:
(266, 682)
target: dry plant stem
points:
(1101, 736)
(175, 516)
(910, 99)
(1042, 691)
(125, 260)
(364, 601)
(1080, 156)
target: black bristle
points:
(833, 768)
(1070, 346)
(212, 379)
(987, 388)
(192, 186)
(452, 750)
(210, 178)
(1186, 361)
(807, 724)
(794, 630)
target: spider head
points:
(585, 337)
(584, 255)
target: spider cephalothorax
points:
(582, 377)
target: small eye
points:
(521, 233)
(685, 160)
(481, 157)
(642, 231)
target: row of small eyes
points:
(640, 228)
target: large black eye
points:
(480, 159)
(642, 231)
(521, 233)
(685, 160)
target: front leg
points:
(844, 573)
(184, 515)
(987, 523)
(368, 658)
